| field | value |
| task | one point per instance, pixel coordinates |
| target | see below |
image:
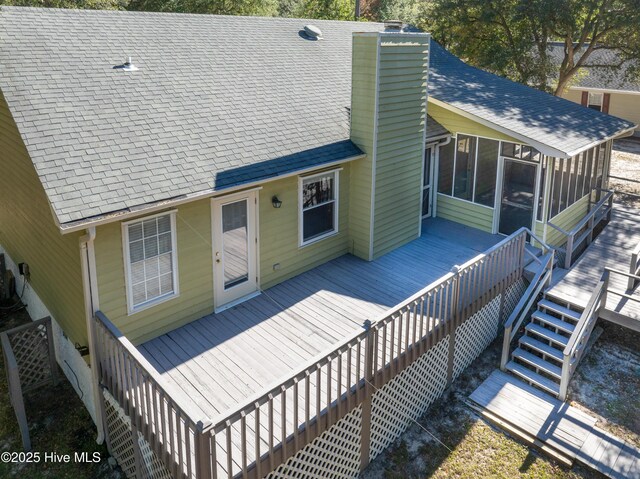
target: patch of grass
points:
(58, 422)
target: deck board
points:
(568, 430)
(223, 359)
(612, 248)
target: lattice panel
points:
(333, 455)
(153, 467)
(408, 396)
(511, 298)
(120, 438)
(475, 334)
(31, 349)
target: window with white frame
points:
(318, 206)
(150, 260)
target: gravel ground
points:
(625, 163)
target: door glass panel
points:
(235, 247)
(518, 194)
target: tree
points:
(219, 7)
(327, 9)
(512, 37)
(89, 4)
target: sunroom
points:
(515, 157)
(499, 186)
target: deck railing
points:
(540, 281)
(577, 343)
(634, 269)
(160, 413)
(263, 432)
(582, 233)
(272, 426)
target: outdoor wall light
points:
(276, 202)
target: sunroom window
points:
(319, 206)
(468, 169)
(150, 260)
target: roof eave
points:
(148, 208)
(543, 148)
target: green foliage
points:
(220, 7)
(88, 4)
(511, 37)
(327, 9)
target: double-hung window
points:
(150, 260)
(318, 206)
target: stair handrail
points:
(540, 281)
(588, 219)
(577, 343)
(633, 269)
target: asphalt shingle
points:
(526, 112)
(217, 101)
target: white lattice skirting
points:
(333, 455)
(511, 298)
(407, 396)
(475, 334)
(119, 427)
(336, 454)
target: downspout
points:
(91, 305)
(436, 171)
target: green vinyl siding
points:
(566, 220)
(29, 234)
(363, 105)
(400, 141)
(456, 123)
(195, 276)
(465, 212)
(281, 257)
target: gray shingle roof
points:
(618, 78)
(216, 101)
(562, 126)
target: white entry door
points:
(235, 245)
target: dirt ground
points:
(625, 171)
(58, 422)
(451, 441)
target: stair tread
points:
(533, 377)
(553, 321)
(546, 333)
(542, 347)
(538, 362)
(563, 310)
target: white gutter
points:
(160, 205)
(620, 134)
(91, 305)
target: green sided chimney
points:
(388, 120)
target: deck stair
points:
(537, 359)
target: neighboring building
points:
(608, 90)
(234, 153)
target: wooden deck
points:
(222, 359)
(553, 426)
(612, 248)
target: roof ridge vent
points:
(313, 32)
(393, 25)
